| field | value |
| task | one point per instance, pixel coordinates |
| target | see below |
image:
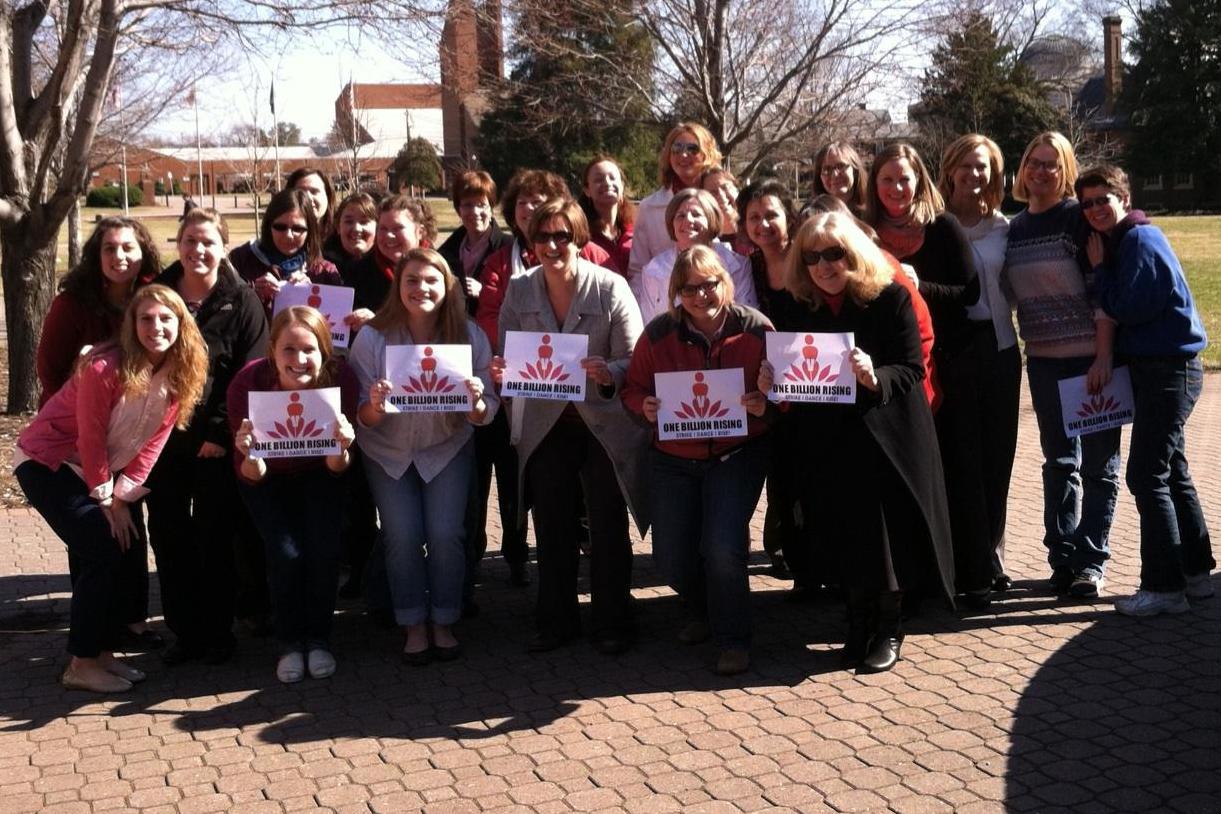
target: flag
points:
(273, 97)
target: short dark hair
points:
(757, 190)
(418, 208)
(1104, 175)
(470, 183)
(565, 208)
(530, 182)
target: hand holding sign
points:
(815, 368)
(429, 379)
(294, 423)
(1086, 413)
(700, 404)
(545, 365)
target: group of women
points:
(900, 495)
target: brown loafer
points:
(105, 682)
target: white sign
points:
(334, 302)
(294, 423)
(1110, 408)
(428, 378)
(544, 365)
(700, 404)
(811, 367)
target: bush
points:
(112, 197)
(159, 188)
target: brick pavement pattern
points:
(1036, 705)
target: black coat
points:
(949, 282)
(451, 250)
(234, 327)
(892, 426)
(368, 283)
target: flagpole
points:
(275, 134)
(118, 103)
(199, 153)
(352, 109)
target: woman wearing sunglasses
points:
(871, 481)
(704, 491)
(1141, 285)
(589, 448)
(288, 249)
(688, 150)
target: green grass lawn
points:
(1196, 239)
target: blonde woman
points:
(1047, 276)
(870, 476)
(85, 457)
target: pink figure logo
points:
(294, 425)
(1097, 405)
(699, 407)
(544, 369)
(428, 381)
(808, 369)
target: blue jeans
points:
(424, 537)
(701, 539)
(296, 516)
(1173, 536)
(1080, 475)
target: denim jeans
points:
(98, 608)
(296, 516)
(1173, 536)
(424, 537)
(701, 539)
(1080, 475)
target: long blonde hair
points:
(451, 320)
(868, 270)
(186, 361)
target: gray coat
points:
(604, 310)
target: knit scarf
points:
(902, 237)
(271, 256)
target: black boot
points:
(884, 648)
(861, 608)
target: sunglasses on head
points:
(831, 254)
(291, 228)
(560, 238)
(684, 148)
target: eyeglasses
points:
(685, 148)
(559, 238)
(1047, 166)
(831, 254)
(291, 228)
(835, 169)
(1089, 203)
(707, 288)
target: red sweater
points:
(68, 327)
(924, 321)
(669, 345)
(497, 270)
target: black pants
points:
(568, 461)
(193, 510)
(98, 605)
(494, 452)
(133, 572)
(977, 434)
(359, 516)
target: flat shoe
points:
(417, 659)
(321, 663)
(125, 671)
(107, 682)
(447, 653)
(290, 668)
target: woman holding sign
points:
(705, 486)
(1141, 285)
(84, 458)
(421, 464)
(289, 250)
(589, 445)
(871, 480)
(292, 499)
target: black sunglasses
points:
(560, 238)
(1089, 203)
(831, 254)
(290, 227)
(679, 148)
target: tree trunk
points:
(74, 235)
(28, 270)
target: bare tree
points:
(57, 60)
(759, 75)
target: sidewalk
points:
(1038, 705)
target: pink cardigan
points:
(72, 428)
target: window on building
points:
(1151, 182)
(1184, 180)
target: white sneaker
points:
(1199, 586)
(290, 668)
(1151, 603)
(321, 663)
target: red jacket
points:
(924, 321)
(497, 270)
(669, 345)
(619, 250)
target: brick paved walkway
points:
(1037, 705)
